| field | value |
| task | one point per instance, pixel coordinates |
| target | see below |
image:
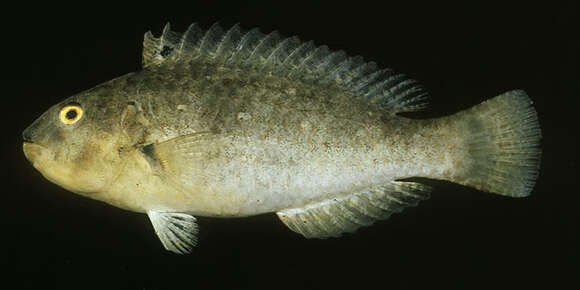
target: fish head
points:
(75, 143)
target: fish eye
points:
(70, 114)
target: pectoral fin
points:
(183, 161)
(176, 231)
(332, 217)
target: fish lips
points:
(32, 151)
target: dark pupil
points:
(71, 115)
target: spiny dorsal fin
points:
(287, 57)
(331, 218)
(190, 40)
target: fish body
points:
(231, 123)
(255, 152)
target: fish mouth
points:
(27, 136)
(31, 150)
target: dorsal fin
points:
(190, 40)
(287, 57)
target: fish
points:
(232, 123)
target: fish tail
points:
(502, 142)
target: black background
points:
(459, 239)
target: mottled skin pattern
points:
(232, 123)
(272, 143)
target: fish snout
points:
(27, 136)
(38, 130)
(30, 149)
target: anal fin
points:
(332, 217)
(176, 231)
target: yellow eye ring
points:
(71, 114)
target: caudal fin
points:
(503, 145)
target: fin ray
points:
(190, 40)
(211, 40)
(177, 160)
(176, 231)
(503, 145)
(331, 218)
(229, 42)
(287, 57)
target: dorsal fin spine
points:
(263, 47)
(279, 47)
(246, 43)
(331, 59)
(190, 39)
(343, 70)
(314, 59)
(210, 40)
(296, 58)
(287, 57)
(169, 38)
(341, 67)
(229, 42)
(294, 55)
(311, 60)
(282, 51)
(247, 38)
